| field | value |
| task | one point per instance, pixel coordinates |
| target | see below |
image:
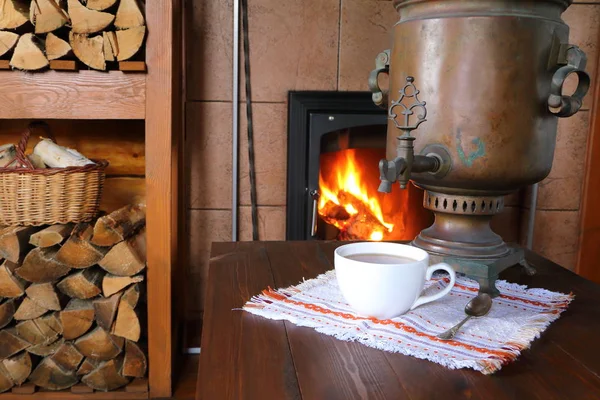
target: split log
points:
(77, 318)
(5, 379)
(18, 367)
(15, 13)
(36, 333)
(100, 5)
(7, 312)
(36, 161)
(78, 252)
(56, 156)
(11, 343)
(51, 236)
(119, 225)
(8, 40)
(67, 357)
(99, 345)
(119, 341)
(135, 363)
(56, 47)
(29, 310)
(52, 321)
(10, 284)
(127, 323)
(8, 152)
(84, 20)
(89, 50)
(87, 366)
(40, 331)
(50, 376)
(40, 266)
(106, 376)
(112, 284)
(129, 15)
(44, 350)
(132, 295)
(129, 42)
(47, 15)
(83, 284)
(127, 257)
(106, 310)
(44, 295)
(14, 242)
(108, 41)
(28, 54)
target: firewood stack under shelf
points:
(72, 310)
(63, 34)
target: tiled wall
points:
(322, 45)
(557, 218)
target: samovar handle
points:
(382, 66)
(575, 60)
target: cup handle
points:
(426, 299)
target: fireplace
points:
(335, 141)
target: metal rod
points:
(531, 221)
(250, 126)
(235, 114)
(191, 350)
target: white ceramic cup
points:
(386, 290)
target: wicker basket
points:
(30, 196)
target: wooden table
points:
(248, 357)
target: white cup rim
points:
(404, 250)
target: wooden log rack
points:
(155, 97)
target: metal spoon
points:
(479, 306)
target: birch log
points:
(8, 40)
(129, 42)
(15, 13)
(8, 152)
(29, 54)
(89, 50)
(84, 20)
(56, 156)
(47, 15)
(51, 236)
(100, 5)
(129, 15)
(56, 47)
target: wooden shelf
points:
(155, 97)
(72, 95)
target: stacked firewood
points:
(71, 304)
(37, 32)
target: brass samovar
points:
(482, 80)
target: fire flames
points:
(349, 199)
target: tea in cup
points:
(385, 280)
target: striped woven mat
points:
(518, 316)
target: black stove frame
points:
(311, 115)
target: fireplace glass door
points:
(335, 142)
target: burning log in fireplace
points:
(354, 218)
(71, 309)
(349, 199)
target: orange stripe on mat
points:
(504, 355)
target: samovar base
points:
(462, 237)
(486, 271)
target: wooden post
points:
(163, 132)
(589, 230)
